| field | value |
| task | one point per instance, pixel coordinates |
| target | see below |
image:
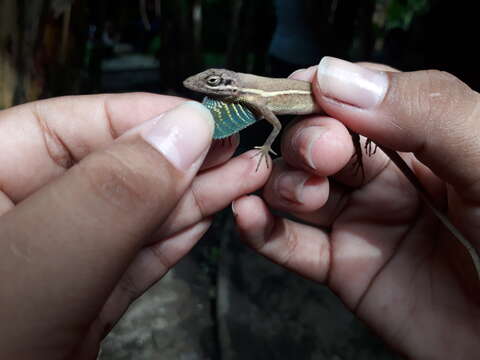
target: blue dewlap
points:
(229, 118)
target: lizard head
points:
(215, 82)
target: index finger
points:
(40, 140)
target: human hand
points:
(374, 243)
(91, 214)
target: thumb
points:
(74, 237)
(430, 113)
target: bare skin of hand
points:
(374, 243)
(99, 198)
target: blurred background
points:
(223, 301)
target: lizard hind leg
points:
(368, 147)
(357, 163)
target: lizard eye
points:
(214, 80)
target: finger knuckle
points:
(129, 287)
(200, 201)
(163, 261)
(121, 183)
(435, 96)
(450, 100)
(291, 246)
(440, 94)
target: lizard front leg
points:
(266, 148)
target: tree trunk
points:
(8, 51)
(30, 78)
(35, 50)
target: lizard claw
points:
(368, 147)
(263, 152)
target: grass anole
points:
(237, 100)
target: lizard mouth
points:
(189, 83)
(216, 96)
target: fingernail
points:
(351, 83)
(182, 135)
(290, 185)
(305, 140)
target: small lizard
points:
(265, 97)
(237, 100)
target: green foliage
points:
(155, 45)
(213, 59)
(400, 13)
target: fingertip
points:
(249, 210)
(295, 191)
(182, 135)
(307, 74)
(318, 145)
(253, 219)
(204, 113)
(297, 73)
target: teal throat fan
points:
(229, 118)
